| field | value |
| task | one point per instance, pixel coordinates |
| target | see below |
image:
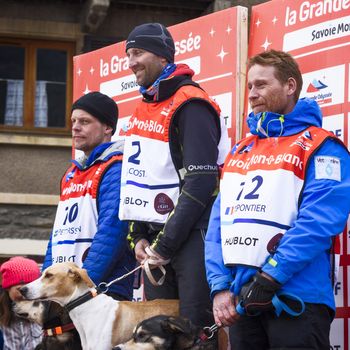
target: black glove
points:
(256, 296)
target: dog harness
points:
(51, 332)
(53, 325)
(258, 173)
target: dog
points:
(101, 321)
(59, 331)
(167, 333)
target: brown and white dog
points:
(101, 321)
(59, 332)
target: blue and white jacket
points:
(108, 255)
(303, 265)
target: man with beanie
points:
(87, 230)
(170, 172)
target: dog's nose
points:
(117, 348)
(23, 291)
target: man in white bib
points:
(284, 198)
(170, 170)
(87, 230)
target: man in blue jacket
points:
(87, 230)
(284, 197)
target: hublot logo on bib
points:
(241, 241)
(135, 201)
(63, 258)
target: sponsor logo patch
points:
(327, 168)
(202, 167)
(246, 148)
(163, 204)
(272, 245)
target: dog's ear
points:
(80, 275)
(73, 274)
(85, 277)
(184, 330)
(176, 325)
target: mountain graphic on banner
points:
(316, 85)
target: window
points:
(35, 85)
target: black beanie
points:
(99, 106)
(152, 37)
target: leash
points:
(282, 306)
(279, 305)
(150, 276)
(208, 332)
(104, 287)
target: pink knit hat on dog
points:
(19, 270)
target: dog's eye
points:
(142, 336)
(48, 275)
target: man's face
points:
(88, 132)
(145, 65)
(267, 93)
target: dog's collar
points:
(202, 337)
(50, 332)
(205, 334)
(82, 299)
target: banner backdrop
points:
(317, 34)
(214, 46)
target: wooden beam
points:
(28, 199)
(15, 247)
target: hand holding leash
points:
(152, 261)
(263, 294)
(140, 253)
(154, 258)
(256, 296)
(224, 309)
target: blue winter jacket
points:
(302, 259)
(109, 256)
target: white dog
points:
(101, 321)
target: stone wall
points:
(34, 169)
(26, 221)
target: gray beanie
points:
(152, 37)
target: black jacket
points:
(194, 137)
